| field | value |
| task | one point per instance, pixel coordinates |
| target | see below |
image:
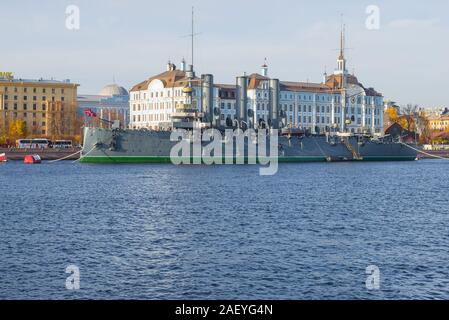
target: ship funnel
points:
(242, 99)
(274, 104)
(190, 73)
(207, 101)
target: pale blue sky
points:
(406, 60)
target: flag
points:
(90, 113)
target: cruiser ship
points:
(142, 146)
(119, 145)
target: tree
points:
(17, 129)
(392, 114)
(3, 135)
(3, 139)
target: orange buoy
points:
(32, 159)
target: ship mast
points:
(186, 115)
(193, 33)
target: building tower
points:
(341, 61)
(183, 65)
(265, 68)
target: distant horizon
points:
(299, 39)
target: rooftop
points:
(36, 81)
(172, 78)
(112, 90)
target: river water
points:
(224, 232)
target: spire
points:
(342, 43)
(341, 61)
(265, 63)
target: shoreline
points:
(55, 154)
(45, 154)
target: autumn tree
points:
(3, 135)
(17, 129)
(3, 138)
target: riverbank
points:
(54, 154)
(45, 154)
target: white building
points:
(153, 101)
(340, 101)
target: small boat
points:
(32, 159)
(3, 157)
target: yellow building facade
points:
(440, 123)
(47, 107)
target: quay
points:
(55, 154)
(45, 154)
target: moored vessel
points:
(145, 146)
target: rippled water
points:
(224, 232)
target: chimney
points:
(274, 104)
(242, 99)
(190, 73)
